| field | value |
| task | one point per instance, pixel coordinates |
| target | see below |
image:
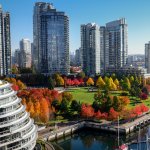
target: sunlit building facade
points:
(51, 39)
(17, 129)
(90, 47)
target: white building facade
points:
(17, 129)
(25, 51)
(147, 57)
(114, 45)
(90, 47)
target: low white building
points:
(17, 129)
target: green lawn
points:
(82, 95)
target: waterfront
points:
(88, 139)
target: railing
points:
(4, 132)
(19, 136)
(14, 147)
(11, 110)
(28, 130)
(21, 144)
(5, 91)
(10, 139)
(20, 125)
(7, 100)
(11, 120)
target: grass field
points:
(84, 96)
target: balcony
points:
(19, 125)
(5, 91)
(25, 143)
(13, 113)
(10, 110)
(4, 84)
(10, 139)
(17, 136)
(8, 95)
(14, 119)
(8, 100)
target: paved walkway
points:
(63, 127)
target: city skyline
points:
(102, 12)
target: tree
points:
(15, 69)
(75, 106)
(126, 85)
(44, 114)
(108, 102)
(15, 87)
(120, 102)
(81, 75)
(131, 79)
(87, 111)
(31, 109)
(98, 114)
(108, 83)
(90, 82)
(135, 91)
(37, 109)
(143, 96)
(67, 96)
(24, 102)
(116, 82)
(100, 83)
(64, 106)
(113, 76)
(51, 83)
(76, 82)
(59, 80)
(55, 103)
(144, 108)
(146, 89)
(113, 115)
(96, 105)
(113, 86)
(21, 85)
(117, 104)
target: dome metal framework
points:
(17, 129)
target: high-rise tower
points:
(25, 51)
(51, 39)
(147, 57)
(116, 44)
(5, 43)
(90, 47)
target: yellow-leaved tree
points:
(89, 82)
(100, 83)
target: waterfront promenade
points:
(69, 128)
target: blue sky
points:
(137, 13)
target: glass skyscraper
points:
(5, 43)
(90, 47)
(116, 44)
(51, 39)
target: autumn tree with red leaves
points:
(87, 111)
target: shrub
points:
(143, 96)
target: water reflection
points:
(88, 139)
